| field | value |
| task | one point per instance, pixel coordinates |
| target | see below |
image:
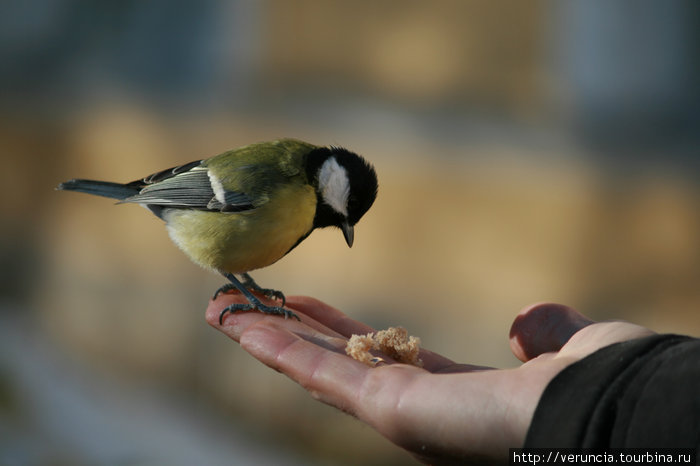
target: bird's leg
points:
(253, 302)
(249, 283)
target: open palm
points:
(444, 412)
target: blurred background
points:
(526, 151)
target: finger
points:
(543, 328)
(344, 325)
(328, 316)
(314, 360)
(319, 316)
(235, 324)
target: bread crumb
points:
(393, 342)
(358, 348)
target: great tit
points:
(247, 208)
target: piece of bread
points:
(393, 342)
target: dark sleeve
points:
(638, 393)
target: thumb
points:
(543, 328)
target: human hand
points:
(444, 412)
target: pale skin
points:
(443, 413)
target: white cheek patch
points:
(334, 185)
(217, 187)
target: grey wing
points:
(191, 189)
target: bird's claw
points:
(273, 294)
(272, 310)
(223, 289)
(251, 285)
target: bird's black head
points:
(346, 186)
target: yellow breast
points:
(241, 242)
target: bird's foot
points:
(269, 293)
(272, 310)
(253, 301)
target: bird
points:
(246, 208)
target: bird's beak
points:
(348, 233)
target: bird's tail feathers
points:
(100, 188)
